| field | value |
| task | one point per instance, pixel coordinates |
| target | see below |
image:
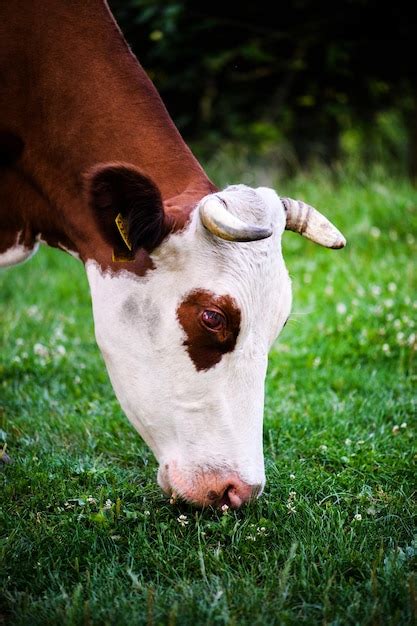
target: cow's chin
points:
(207, 486)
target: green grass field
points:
(88, 538)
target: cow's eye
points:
(213, 319)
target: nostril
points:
(236, 494)
(230, 497)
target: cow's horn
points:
(219, 221)
(304, 219)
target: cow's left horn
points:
(219, 221)
(306, 220)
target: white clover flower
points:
(33, 311)
(357, 517)
(348, 442)
(385, 348)
(393, 235)
(392, 287)
(403, 425)
(182, 519)
(341, 308)
(395, 429)
(389, 303)
(292, 476)
(376, 290)
(40, 350)
(375, 232)
(147, 513)
(397, 324)
(316, 362)
(290, 502)
(225, 508)
(108, 504)
(411, 339)
(91, 500)
(59, 333)
(61, 350)
(19, 341)
(410, 239)
(328, 290)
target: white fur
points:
(197, 419)
(17, 253)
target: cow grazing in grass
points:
(188, 284)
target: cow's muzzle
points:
(207, 487)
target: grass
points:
(88, 538)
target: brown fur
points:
(72, 100)
(206, 347)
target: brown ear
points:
(114, 188)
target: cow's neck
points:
(79, 98)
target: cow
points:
(188, 284)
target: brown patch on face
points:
(206, 345)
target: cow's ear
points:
(119, 190)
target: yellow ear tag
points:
(122, 230)
(125, 255)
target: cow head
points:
(186, 344)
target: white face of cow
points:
(186, 349)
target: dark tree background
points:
(320, 79)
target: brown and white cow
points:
(188, 283)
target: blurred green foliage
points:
(310, 80)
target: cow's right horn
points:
(220, 222)
(306, 220)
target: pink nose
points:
(212, 488)
(233, 492)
